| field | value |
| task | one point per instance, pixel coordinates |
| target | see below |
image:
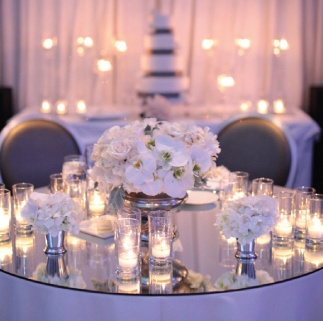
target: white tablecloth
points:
(293, 300)
(303, 129)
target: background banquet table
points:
(294, 295)
(89, 127)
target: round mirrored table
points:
(204, 263)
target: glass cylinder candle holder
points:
(127, 248)
(5, 215)
(302, 197)
(56, 183)
(262, 186)
(96, 202)
(160, 237)
(283, 231)
(21, 193)
(241, 182)
(314, 224)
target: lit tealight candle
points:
(96, 203)
(279, 107)
(88, 42)
(283, 228)
(46, 107)
(243, 43)
(301, 221)
(81, 106)
(225, 81)
(61, 108)
(120, 45)
(48, 43)
(127, 259)
(245, 106)
(315, 229)
(208, 43)
(161, 250)
(103, 65)
(4, 220)
(262, 106)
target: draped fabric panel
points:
(68, 70)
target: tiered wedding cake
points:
(162, 68)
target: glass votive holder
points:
(129, 212)
(56, 183)
(262, 186)
(314, 224)
(127, 248)
(96, 202)
(21, 193)
(283, 231)
(74, 166)
(302, 197)
(76, 189)
(160, 237)
(5, 215)
(160, 279)
(2, 186)
(238, 185)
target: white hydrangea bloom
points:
(248, 217)
(51, 213)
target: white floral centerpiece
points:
(155, 157)
(247, 218)
(52, 213)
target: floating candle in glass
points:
(46, 107)
(120, 45)
(279, 106)
(61, 107)
(262, 106)
(80, 106)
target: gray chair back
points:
(259, 146)
(34, 149)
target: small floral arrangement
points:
(51, 213)
(155, 157)
(248, 217)
(230, 281)
(74, 279)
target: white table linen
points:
(293, 300)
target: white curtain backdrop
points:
(68, 70)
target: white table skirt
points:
(303, 129)
(293, 300)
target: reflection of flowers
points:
(51, 213)
(155, 157)
(248, 217)
(199, 283)
(74, 279)
(230, 281)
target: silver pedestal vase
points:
(55, 245)
(246, 251)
